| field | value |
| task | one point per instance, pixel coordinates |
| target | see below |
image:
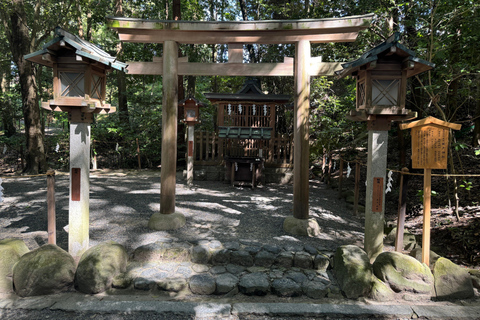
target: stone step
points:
(210, 267)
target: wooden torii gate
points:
(237, 33)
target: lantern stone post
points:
(375, 195)
(381, 75)
(79, 82)
(79, 202)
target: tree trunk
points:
(476, 132)
(121, 81)
(20, 44)
(6, 111)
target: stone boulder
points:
(254, 284)
(10, 252)
(417, 254)
(202, 284)
(452, 281)
(409, 240)
(403, 273)
(353, 271)
(475, 274)
(226, 283)
(99, 265)
(45, 270)
(165, 250)
(286, 288)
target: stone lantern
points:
(79, 79)
(381, 75)
(191, 106)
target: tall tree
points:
(22, 41)
(121, 81)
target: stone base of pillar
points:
(301, 227)
(162, 222)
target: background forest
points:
(445, 32)
(442, 32)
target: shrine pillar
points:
(300, 223)
(167, 218)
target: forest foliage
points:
(445, 32)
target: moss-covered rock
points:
(99, 265)
(417, 254)
(403, 273)
(163, 251)
(10, 252)
(353, 271)
(381, 292)
(475, 274)
(409, 240)
(46, 270)
(452, 281)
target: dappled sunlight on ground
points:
(121, 205)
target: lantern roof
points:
(392, 49)
(430, 121)
(197, 102)
(66, 40)
(249, 92)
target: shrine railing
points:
(211, 150)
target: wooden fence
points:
(211, 150)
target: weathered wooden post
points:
(402, 208)
(79, 81)
(52, 234)
(357, 187)
(429, 151)
(381, 75)
(340, 178)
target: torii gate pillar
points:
(167, 218)
(300, 223)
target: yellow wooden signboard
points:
(430, 142)
(429, 147)
(429, 151)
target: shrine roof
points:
(392, 48)
(64, 39)
(249, 92)
(342, 29)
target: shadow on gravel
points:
(120, 207)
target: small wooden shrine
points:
(247, 131)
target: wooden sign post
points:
(429, 151)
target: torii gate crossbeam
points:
(236, 33)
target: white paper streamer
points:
(254, 109)
(229, 109)
(57, 148)
(236, 166)
(4, 149)
(349, 170)
(116, 147)
(334, 165)
(389, 183)
(265, 110)
(240, 108)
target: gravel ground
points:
(121, 204)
